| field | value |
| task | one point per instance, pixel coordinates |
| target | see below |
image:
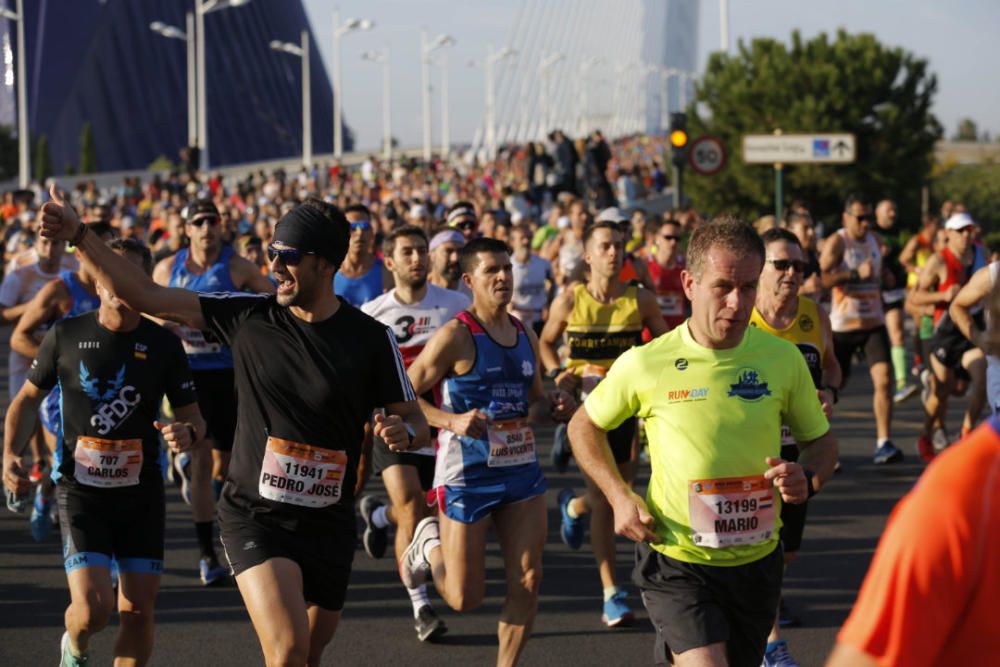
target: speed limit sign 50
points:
(707, 155)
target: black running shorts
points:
(383, 457)
(217, 401)
(127, 523)
(698, 605)
(325, 558)
(949, 344)
(874, 343)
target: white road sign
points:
(707, 155)
(769, 148)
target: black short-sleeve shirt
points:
(313, 385)
(112, 385)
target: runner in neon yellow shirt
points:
(713, 395)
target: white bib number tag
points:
(731, 511)
(300, 474)
(592, 376)
(512, 443)
(107, 463)
(194, 342)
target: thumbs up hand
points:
(58, 221)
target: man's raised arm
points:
(123, 278)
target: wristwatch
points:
(553, 373)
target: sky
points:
(957, 38)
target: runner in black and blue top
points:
(362, 276)
(206, 266)
(487, 470)
(113, 367)
(71, 294)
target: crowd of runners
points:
(290, 347)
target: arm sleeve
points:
(224, 312)
(616, 398)
(180, 389)
(916, 589)
(803, 412)
(44, 372)
(392, 385)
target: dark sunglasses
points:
(783, 264)
(671, 238)
(363, 225)
(867, 217)
(467, 225)
(212, 220)
(288, 256)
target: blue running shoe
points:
(887, 453)
(572, 530)
(211, 572)
(41, 522)
(560, 453)
(616, 612)
(777, 655)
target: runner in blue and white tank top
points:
(487, 465)
(206, 266)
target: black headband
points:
(306, 228)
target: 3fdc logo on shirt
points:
(114, 405)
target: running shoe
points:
(571, 531)
(37, 472)
(375, 539)
(560, 453)
(428, 624)
(925, 386)
(925, 448)
(888, 453)
(414, 568)
(786, 619)
(41, 522)
(210, 571)
(616, 612)
(777, 655)
(940, 439)
(16, 503)
(905, 393)
(182, 466)
(68, 659)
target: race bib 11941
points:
(300, 474)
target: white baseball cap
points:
(959, 221)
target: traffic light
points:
(678, 138)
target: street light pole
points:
(445, 129)
(491, 122)
(339, 30)
(170, 32)
(302, 51)
(202, 7)
(24, 162)
(425, 93)
(383, 59)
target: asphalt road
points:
(208, 626)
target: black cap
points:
(200, 208)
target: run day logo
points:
(113, 405)
(749, 386)
(687, 395)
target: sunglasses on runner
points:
(782, 265)
(671, 238)
(867, 217)
(210, 219)
(363, 225)
(288, 256)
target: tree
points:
(849, 84)
(43, 160)
(8, 153)
(975, 185)
(967, 131)
(88, 151)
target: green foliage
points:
(851, 83)
(975, 185)
(8, 153)
(88, 150)
(70, 169)
(162, 163)
(967, 131)
(43, 160)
